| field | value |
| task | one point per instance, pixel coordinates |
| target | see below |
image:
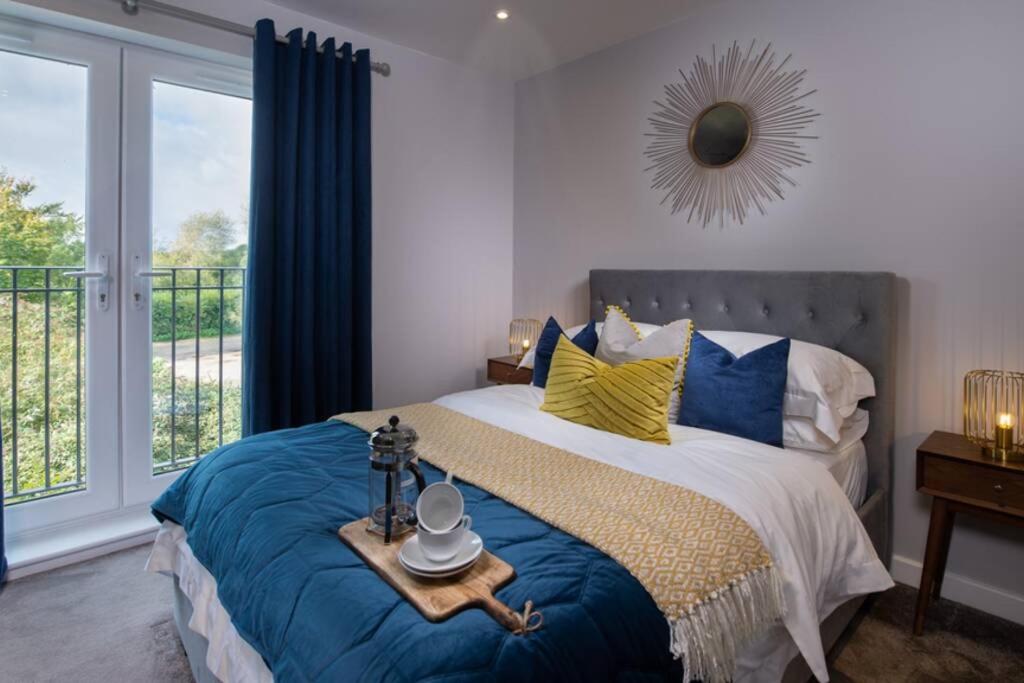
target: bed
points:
(600, 610)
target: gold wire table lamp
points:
(522, 335)
(993, 412)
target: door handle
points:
(140, 277)
(102, 277)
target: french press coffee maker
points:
(395, 480)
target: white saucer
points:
(415, 562)
(435, 575)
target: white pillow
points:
(644, 328)
(800, 432)
(823, 384)
(622, 342)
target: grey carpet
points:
(102, 620)
(959, 645)
(109, 620)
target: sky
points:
(200, 157)
(200, 148)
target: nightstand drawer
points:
(504, 371)
(1001, 488)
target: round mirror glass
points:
(720, 135)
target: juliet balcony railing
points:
(196, 372)
(197, 325)
(42, 376)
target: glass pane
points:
(201, 151)
(42, 227)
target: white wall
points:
(442, 205)
(919, 170)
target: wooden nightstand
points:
(962, 479)
(504, 370)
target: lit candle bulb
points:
(1004, 432)
(526, 345)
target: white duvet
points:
(793, 503)
(803, 517)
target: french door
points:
(187, 141)
(124, 177)
(59, 170)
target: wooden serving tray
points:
(437, 599)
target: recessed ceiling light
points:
(501, 14)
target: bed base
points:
(195, 645)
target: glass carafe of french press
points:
(395, 480)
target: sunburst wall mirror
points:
(724, 138)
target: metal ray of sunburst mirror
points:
(724, 138)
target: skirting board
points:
(80, 540)
(966, 591)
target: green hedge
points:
(185, 419)
(209, 317)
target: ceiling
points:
(537, 36)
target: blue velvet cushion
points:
(586, 339)
(739, 396)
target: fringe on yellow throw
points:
(705, 568)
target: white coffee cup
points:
(439, 546)
(440, 506)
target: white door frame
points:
(142, 67)
(103, 58)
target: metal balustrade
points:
(186, 285)
(31, 298)
(43, 373)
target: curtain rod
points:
(133, 6)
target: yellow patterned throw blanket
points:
(706, 569)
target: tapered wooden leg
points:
(940, 571)
(932, 554)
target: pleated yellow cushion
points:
(630, 399)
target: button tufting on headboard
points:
(851, 312)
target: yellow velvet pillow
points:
(629, 399)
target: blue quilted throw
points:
(262, 516)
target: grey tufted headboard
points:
(853, 313)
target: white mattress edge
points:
(229, 656)
(848, 466)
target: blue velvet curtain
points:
(306, 340)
